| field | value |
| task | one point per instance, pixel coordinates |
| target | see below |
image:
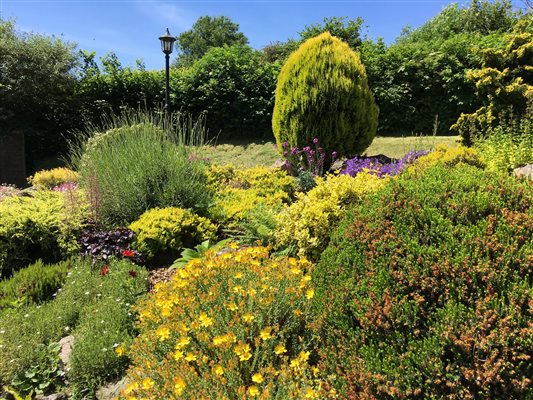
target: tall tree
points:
(207, 32)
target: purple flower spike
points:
(285, 153)
(334, 155)
(294, 150)
(315, 140)
(285, 144)
(275, 145)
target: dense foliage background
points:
(420, 81)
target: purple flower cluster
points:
(66, 187)
(306, 159)
(375, 167)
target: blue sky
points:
(131, 28)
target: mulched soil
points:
(160, 275)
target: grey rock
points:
(66, 348)
(112, 390)
(54, 396)
(278, 163)
(337, 165)
(526, 170)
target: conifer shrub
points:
(322, 92)
(161, 233)
(425, 289)
(229, 326)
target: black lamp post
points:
(167, 43)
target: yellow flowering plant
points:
(305, 226)
(48, 179)
(227, 326)
(448, 156)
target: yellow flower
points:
(163, 333)
(295, 270)
(131, 387)
(205, 321)
(315, 371)
(257, 378)
(266, 333)
(243, 351)
(178, 355)
(310, 394)
(310, 294)
(231, 307)
(295, 363)
(218, 340)
(182, 342)
(120, 351)
(253, 391)
(233, 246)
(190, 357)
(148, 383)
(248, 318)
(237, 289)
(297, 312)
(179, 386)
(219, 370)
(280, 349)
(304, 355)
(238, 275)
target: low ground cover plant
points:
(44, 225)
(93, 305)
(227, 326)
(49, 179)
(102, 245)
(375, 166)
(423, 289)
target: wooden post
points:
(13, 159)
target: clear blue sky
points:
(131, 28)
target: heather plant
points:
(43, 225)
(33, 284)
(231, 326)
(161, 233)
(305, 226)
(49, 179)
(425, 287)
(7, 191)
(374, 166)
(323, 88)
(143, 161)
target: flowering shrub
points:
(425, 290)
(49, 179)
(307, 159)
(374, 166)
(305, 226)
(229, 326)
(164, 232)
(7, 191)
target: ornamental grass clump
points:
(425, 289)
(228, 326)
(304, 227)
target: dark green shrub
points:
(43, 225)
(34, 284)
(424, 290)
(164, 232)
(138, 165)
(322, 92)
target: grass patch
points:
(249, 154)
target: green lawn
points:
(263, 152)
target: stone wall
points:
(13, 159)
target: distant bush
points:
(44, 225)
(227, 326)
(164, 232)
(138, 165)
(306, 225)
(424, 289)
(34, 284)
(49, 179)
(322, 92)
(89, 296)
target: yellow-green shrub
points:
(449, 156)
(162, 231)
(239, 191)
(230, 326)
(306, 225)
(43, 225)
(49, 179)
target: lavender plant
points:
(374, 166)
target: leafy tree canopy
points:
(207, 32)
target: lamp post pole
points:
(167, 43)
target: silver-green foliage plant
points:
(140, 162)
(323, 92)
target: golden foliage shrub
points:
(49, 179)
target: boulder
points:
(526, 170)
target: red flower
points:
(104, 271)
(128, 253)
(133, 273)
